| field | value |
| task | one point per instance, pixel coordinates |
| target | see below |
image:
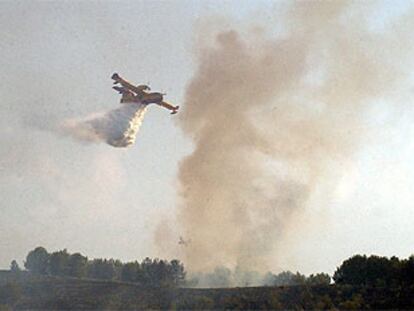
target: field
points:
(53, 293)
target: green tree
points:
(130, 271)
(77, 265)
(299, 279)
(147, 274)
(356, 302)
(407, 271)
(162, 275)
(152, 272)
(14, 267)
(37, 261)
(288, 278)
(118, 268)
(370, 271)
(318, 279)
(58, 263)
(352, 271)
(177, 273)
(102, 269)
(158, 273)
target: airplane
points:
(183, 242)
(138, 94)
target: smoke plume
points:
(272, 121)
(118, 127)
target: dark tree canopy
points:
(37, 261)
(318, 279)
(375, 271)
(150, 273)
(129, 272)
(102, 269)
(77, 265)
(58, 263)
(14, 266)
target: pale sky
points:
(56, 59)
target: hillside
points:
(53, 293)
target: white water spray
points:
(117, 127)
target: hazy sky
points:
(56, 59)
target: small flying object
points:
(140, 94)
(183, 242)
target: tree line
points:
(223, 277)
(360, 282)
(362, 270)
(149, 272)
(358, 270)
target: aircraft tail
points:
(175, 110)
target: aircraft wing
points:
(127, 95)
(127, 85)
(122, 90)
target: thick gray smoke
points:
(273, 120)
(117, 127)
